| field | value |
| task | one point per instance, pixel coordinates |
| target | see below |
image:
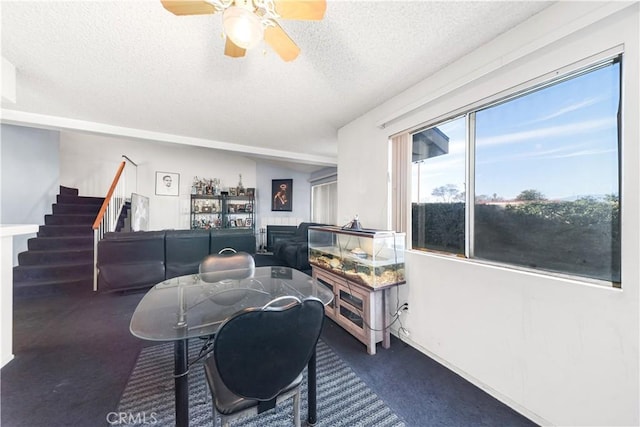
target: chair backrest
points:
(226, 266)
(259, 352)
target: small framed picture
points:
(281, 194)
(233, 191)
(240, 222)
(232, 223)
(251, 192)
(248, 222)
(248, 207)
(167, 184)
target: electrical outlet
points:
(404, 308)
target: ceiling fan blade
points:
(188, 7)
(232, 50)
(281, 43)
(306, 10)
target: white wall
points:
(29, 178)
(561, 352)
(301, 207)
(89, 162)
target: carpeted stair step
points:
(124, 222)
(56, 257)
(44, 287)
(69, 219)
(60, 258)
(68, 191)
(74, 208)
(28, 273)
(80, 200)
(65, 230)
(55, 243)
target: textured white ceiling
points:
(135, 65)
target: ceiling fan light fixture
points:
(242, 26)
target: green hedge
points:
(579, 237)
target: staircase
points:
(60, 258)
(124, 220)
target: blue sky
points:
(560, 140)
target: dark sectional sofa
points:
(134, 260)
(294, 251)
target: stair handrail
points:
(107, 199)
(108, 215)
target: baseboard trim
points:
(8, 358)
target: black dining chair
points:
(226, 265)
(259, 355)
(226, 268)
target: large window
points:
(438, 190)
(324, 207)
(531, 181)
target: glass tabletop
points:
(186, 306)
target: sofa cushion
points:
(294, 251)
(184, 250)
(295, 255)
(131, 275)
(239, 241)
(131, 247)
(131, 260)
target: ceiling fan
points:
(247, 22)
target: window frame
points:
(592, 63)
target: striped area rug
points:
(343, 399)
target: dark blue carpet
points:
(74, 355)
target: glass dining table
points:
(187, 307)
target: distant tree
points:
(482, 198)
(460, 197)
(530, 195)
(612, 198)
(448, 192)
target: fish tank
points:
(372, 258)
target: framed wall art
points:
(139, 212)
(281, 194)
(167, 184)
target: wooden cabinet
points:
(359, 309)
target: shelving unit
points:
(222, 212)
